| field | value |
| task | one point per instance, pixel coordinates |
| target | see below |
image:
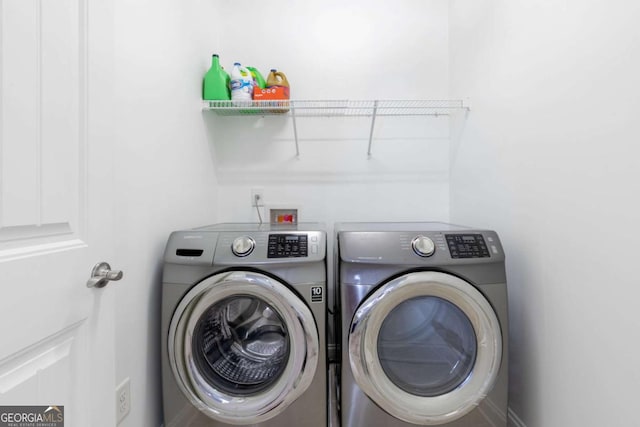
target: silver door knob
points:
(102, 274)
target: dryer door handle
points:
(102, 274)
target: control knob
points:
(423, 246)
(243, 246)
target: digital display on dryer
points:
(467, 246)
(287, 246)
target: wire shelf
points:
(336, 108)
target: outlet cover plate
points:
(123, 399)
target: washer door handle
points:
(102, 274)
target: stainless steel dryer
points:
(243, 326)
(424, 325)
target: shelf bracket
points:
(295, 129)
(373, 124)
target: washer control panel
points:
(288, 245)
(467, 246)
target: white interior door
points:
(56, 221)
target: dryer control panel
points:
(420, 247)
(467, 246)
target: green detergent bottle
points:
(257, 77)
(215, 85)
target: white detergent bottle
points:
(241, 85)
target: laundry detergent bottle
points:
(241, 85)
(257, 77)
(277, 78)
(215, 85)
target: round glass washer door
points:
(426, 347)
(242, 347)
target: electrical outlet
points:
(123, 399)
(257, 197)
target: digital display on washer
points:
(467, 246)
(287, 246)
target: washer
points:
(243, 326)
(424, 325)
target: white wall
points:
(164, 171)
(334, 50)
(549, 158)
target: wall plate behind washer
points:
(283, 215)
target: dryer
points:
(424, 325)
(243, 326)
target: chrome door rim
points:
(367, 369)
(300, 368)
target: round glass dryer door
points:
(426, 347)
(242, 347)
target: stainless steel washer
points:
(424, 325)
(243, 326)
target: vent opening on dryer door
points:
(189, 252)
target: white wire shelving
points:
(337, 108)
